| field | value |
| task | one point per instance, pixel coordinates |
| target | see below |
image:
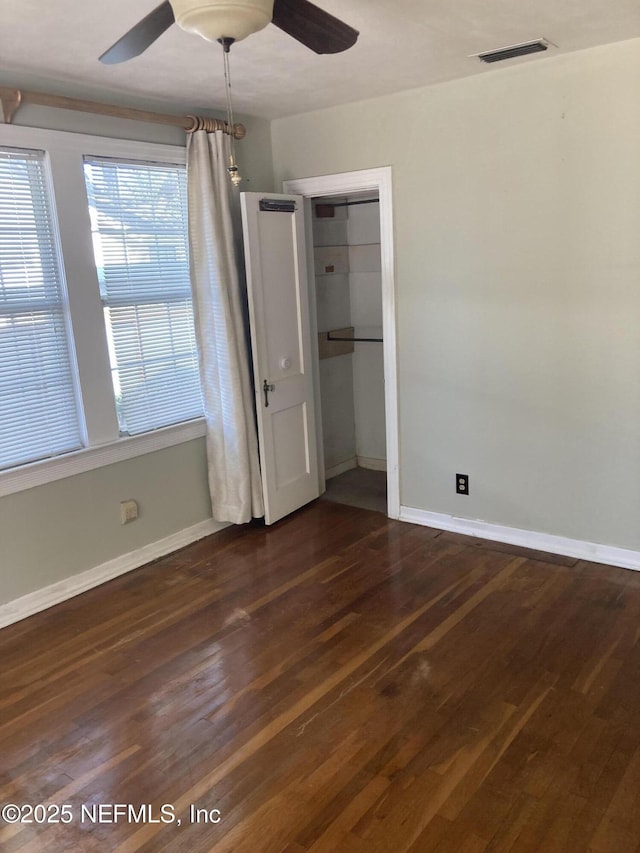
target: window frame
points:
(103, 444)
(55, 302)
(143, 310)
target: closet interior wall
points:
(349, 293)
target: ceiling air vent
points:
(514, 50)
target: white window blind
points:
(38, 409)
(139, 223)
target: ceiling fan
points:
(232, 20)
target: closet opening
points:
(348, 293)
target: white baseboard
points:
(371, 463)
(621, 557)
(335, 470)
(44, 598)
(356, 462)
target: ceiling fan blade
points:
(141, 36)
(312, 26)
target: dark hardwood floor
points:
(340, 682)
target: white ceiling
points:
(403, 44)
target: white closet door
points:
(273, 229)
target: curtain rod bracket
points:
(213, 124)
(11, 100)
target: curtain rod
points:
(12, 99)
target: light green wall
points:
(55, 531)
(517, 223)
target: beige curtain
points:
(232, 445)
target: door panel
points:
(290, 448)
(281, 314)
(281, 344)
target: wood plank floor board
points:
(505, 547)
(339, 682)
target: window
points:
(139, 227)
(97, 347)
(38, 411)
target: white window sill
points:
(89, 458)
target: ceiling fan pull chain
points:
(232, 168)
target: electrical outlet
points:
(128, 511)
(462, 484)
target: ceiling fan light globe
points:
(217, 19)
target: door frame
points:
(375, 180)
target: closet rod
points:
(355, 340)
(349, 203)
